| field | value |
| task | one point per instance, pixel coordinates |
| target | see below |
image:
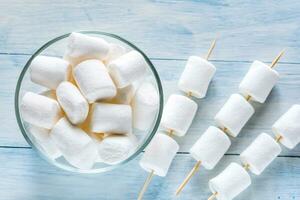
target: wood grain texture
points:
(169, 32)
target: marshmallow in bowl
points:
(115, 51)
(124, 95)
(49, 71)
(83, 47)
(127, 68)
(39, 110)
(178, 114)
(145, 106)
(76, 146)
(116, 148)
(196, 76)
(43, 138)
(94, 81)
(111, 118)
(72, 102)
(259, 81)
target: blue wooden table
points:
(169, 32)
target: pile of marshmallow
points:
(98, 93)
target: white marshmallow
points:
(124, 95)
(234, 114)
(115, 148)
(72, 102)
(230, 183)
(196, 76)
(259, 81)
(94, 81)
(127, 68)
(83, 47)
(178, 114)
(42, 137)
(261, 152)
(288, 126)
(76, 146)
(145, 105)
(111, 118)
(115, 51)
(159, 154)
(49, 71)
(210, 147)
(39, 110)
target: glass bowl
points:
(56, 47)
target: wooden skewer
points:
(188, 177)
(145, 186)
(277, 58)
(211, 48)
(278, 138)
(213, 196)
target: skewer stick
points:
(277, 58)
(188, 177)
(145, 186)
(211, 48)
(213, 196)
(278, 138)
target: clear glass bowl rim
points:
(107, 168)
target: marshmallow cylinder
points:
(94, 81)
(230, 183)
(72, 102)
(261, 152)
(114, 149)
(288, 126)
(234, 114)
(83, 47)
(145, 105)
(42, 137)
(178, 114)
(124, 95)
(111, 118)
(259, 81)
(115, 51)
(76, 146)
(196, 76)
(39, 110)
(159, 154)
(210, 147)
(49, 71)
(128, 68)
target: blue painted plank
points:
(25, 176)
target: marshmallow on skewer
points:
(145, 105)
(127, 68)
(159, 154)
(288, 127)
(115, 51)
(42, 137)
(94, 81)
(210, 147)
(259, 81)
(261, 152)
(114, 149)
(196, 76)
(234, 114)
(83, 47)
(111, 118)
(49, 71)
(39, 110)
(178, 114)
(76, 146)
(230, 183)
(72, 102)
